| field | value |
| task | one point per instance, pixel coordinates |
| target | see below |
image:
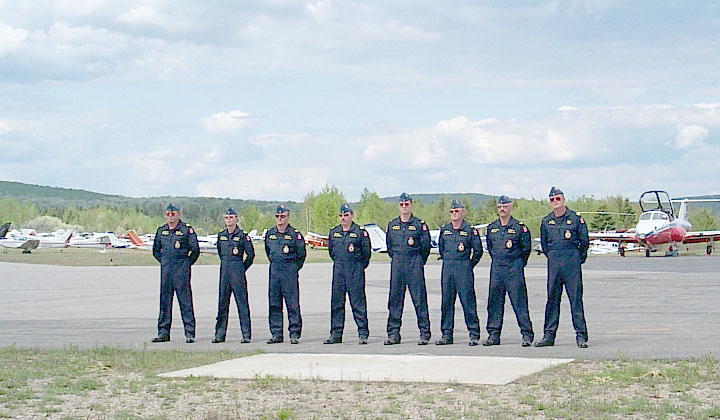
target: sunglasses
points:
(453, 211)
(556, 198)
(345, 214)
(170, 213)
(281, 216)
(405, 203)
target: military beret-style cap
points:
(555, 191)
(456, 204)
(504, 199)
(172, 207)
(345, 208)
(405, 197)
(230, 210)
(281, 209)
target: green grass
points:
(113, 383)
(133, 257)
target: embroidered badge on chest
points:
(552, 222)
(568, 235)
(236, 251)
(461, 247)
(508, 244)
(411, 241)
(351, 248)
(236, 239)
(569, 222)
(286, 249)
(177, 245)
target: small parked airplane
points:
(316, 240)
(659, 225)
(27, 239)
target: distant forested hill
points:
(60, 198)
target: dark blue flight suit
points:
(509, 247)
(408, 245)
(232, 247)
(350, 252)
(176, 250)
(565, 242)
(460, 250)
(286, 252)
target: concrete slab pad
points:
(376, 367)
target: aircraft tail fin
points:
(135, 239)
(682, 213)
(65, 237)
(4, 230)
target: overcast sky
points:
(271, 99)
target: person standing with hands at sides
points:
(509, 244)
(460, 249)
(285, 248)
(565, 242)
(232, 245)
(349, 248)
(176, 249)
(408, 245)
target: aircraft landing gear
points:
(672, 251)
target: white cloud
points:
(12, 38)
(690, 136)
(226, 122)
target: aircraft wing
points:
(701, 236)
(614, 236)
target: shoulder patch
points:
(190, 230)
(365, 234)
(582, 222)
(299, 236)
(475, 232)
(424, 227)
(247, 238)
(525, 229)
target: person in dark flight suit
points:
(564, 239)
(509, 244)
(176, 249)
(232, 245)
(460, 249)
(285, 248)
(408, 245)
(349, 248)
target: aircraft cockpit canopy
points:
(657, 200)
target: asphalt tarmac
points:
(635, 307)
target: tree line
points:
(317, 212)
